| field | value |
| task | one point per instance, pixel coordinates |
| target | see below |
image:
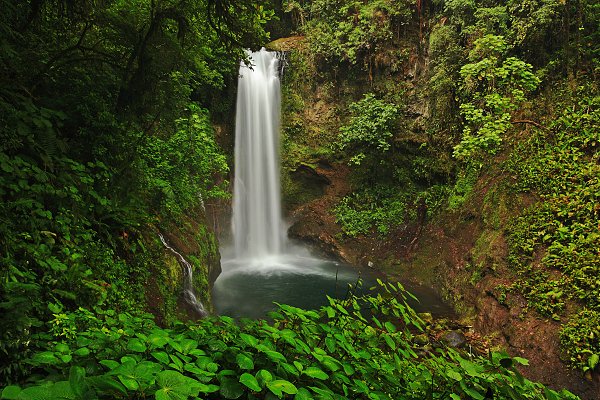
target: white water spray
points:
(257, 224)
(188, 289)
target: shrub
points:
(359, 347)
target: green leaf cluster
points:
(349, 31)
(105, 129)
(493, 87)
(360, 347)
(382, 209)
(370, 131)
(561, 230)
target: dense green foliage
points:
(106, 136)
(385, 208)
(484, 91)
(104, 130)
(376, 207)
(369, 132)
(360, 347)
(562, 166)
(492, 89)
(349, 31)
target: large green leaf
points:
(110, 364)
(107, 385)
(77, 380)
(303, 394)
(11, 392)
(168, 394)
(136, 376)
(62, 348)
(231, 389)
(136, 345)
(280, 386)
(290, 369)
(128, 382)
(175, 386)
(390, 342)
(250, 381)
(315, 372)
(471, 368)
(249, 339)
(275, 356)
(244, 361)
(188, 345)
(82, 352)
(263, 377)
(157, 341)
(323, 393)
(390, 327)
(46, 357)
(57, 391)
(161, 356)
(454, 375)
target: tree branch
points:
(527, 121)
(61, 54)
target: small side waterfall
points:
(188, 290)
(257, 224)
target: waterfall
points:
(188, 289)
(257, 224)
(261, 267)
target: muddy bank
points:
(462, 255)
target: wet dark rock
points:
(324, 164)
(454, 339)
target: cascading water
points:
(257, 223)
(262, 267)
(188, 289)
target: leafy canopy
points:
(492, 88)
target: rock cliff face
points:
(195, 240)
(462, 253)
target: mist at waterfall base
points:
(261, 266)
(248, 288)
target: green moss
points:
(171, 274)
(495, 209)
(200, 279)
(489, 248)
(299, 188)
(163, 289)
(463, 187)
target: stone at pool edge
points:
(454, 339)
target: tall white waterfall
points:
(262, 267)
(257, 224)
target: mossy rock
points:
(286, 44)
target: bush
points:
(580, 339)
(561, 230)
(360, 347)
(180, 168)
(383, 208)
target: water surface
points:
(249, 287)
